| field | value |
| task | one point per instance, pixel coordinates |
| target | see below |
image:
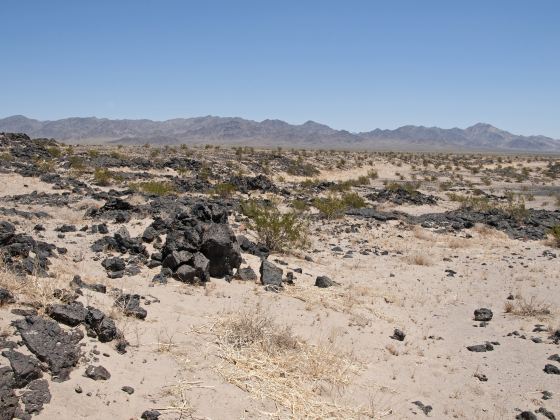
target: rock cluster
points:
(199, 244)
(401, 195)
(17, 249)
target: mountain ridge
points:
(274, 132)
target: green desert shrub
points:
(331, 207)
(353, 200)
(555, 232)
(153, 187)
(277, 230)
(224, 189)
(300, 205)
(102, 177)
(76, 163)
(54, 151)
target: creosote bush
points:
(333, 207)
(153, 187)
(102, 177)
(555, 232)
(224, 189)
(330, 207)
(278, 231)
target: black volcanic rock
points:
(51, 344)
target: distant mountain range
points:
(238, 131)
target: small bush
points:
(102, 177)
(531, 308)
(54, 151)
(353, 200)
(153, 187)
(300, 205)
(278, 231)
(555, 232)
(300, 168)
(47, 166)
(224, 189)
(372, 174)
(76, 163)
(330, 207)
(93, 153)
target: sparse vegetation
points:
(223, 189)
(153, 187)
(278, 231)
(268, 360)
(555, 233)
(330, 207)
(102, 177)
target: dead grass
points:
(488, 232)
(532, 308)
(271, 363)
(423, 234)
(37, 291)
(419, 259)
(458, 243)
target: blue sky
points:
(356, 65)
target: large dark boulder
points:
(7, 231)
(25, 368)
(97, 373)
(246, 274)
(483, 314)
(113, 264)
(201, 265)
(6, 297)
(323, 282)
(271, 275)
(51, 344)
(71, 314)
(250, 247)
(9, 401)
(220, 246)
(185, 274)
(103, 326)
(130, 305)
(35, 396)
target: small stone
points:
(426, 409)
(481, 377)
(478, 348)
(271, 275)
(323, 282)
(526, 415)
(546, 395)
(551, 369)
(483, 314)
(548, 414)
(398, 335)
(97, 373)
(128, 389)
(150, 415)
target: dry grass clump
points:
(457, 243)
(423, 234)
(531, 308)
(419, 259)
(270, 362)
(33, 289)
(487, 231)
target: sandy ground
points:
(173, 357)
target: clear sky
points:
(356, 65)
